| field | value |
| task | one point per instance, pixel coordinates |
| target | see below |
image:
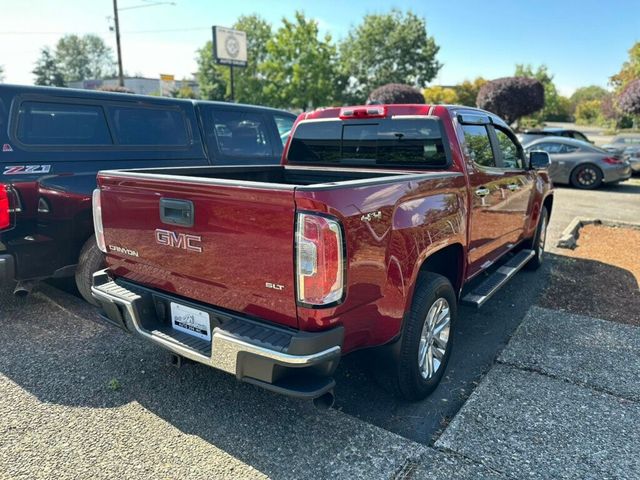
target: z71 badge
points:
(26, 169)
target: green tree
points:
(1, 73)
(630, 70)
(300, 67)
(185, 91)
(592, 92)
(442, 95)
(248, 82)
(467, 91)
(81, 58)
(589, 112)
(213, 85)
(555, 107)
(47, 71)
(386, 48)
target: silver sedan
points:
(580, 164)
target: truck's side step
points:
(497, 279)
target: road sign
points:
(230, 46)
(167, 84)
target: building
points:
(139, 85)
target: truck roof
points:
(100, 95)
(390, 110)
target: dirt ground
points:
(600, 277)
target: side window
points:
(547, 147)
(510, 155)
(241, 134)
(478, 145)
(579, 136)
(148, 126)
(284, 124)
(44, 123)
(568, 148)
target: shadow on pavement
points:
(60, 357)
(629, 186)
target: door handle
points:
(482, 191)
(176, 212)
(513, 187)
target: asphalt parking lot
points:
(79, 398)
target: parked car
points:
(366, 236)
(534, 134)
(54, 141)
(626, 146)
(580, 164)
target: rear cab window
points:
(390, 142)
(239, 133)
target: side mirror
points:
(539, 159)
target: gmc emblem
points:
(179, 240)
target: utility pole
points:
(115, 17)
(117, 29)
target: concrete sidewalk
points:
(564, 402)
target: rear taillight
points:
(612, 160)
(97, 221)
(5, 208)
(319, 260)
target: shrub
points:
(442, 95)
(589, 112)
(511, 97)
(629, 100)
(395, 93)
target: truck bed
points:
(272, 176)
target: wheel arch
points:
(448, 262)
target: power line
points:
(130, 32)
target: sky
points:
(582, 42)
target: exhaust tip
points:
(175, 360)
(23, 289)
(325, 401)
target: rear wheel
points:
(586, 177)
(427, 337)
(91, 260)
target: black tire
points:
(586, 177)
(91, 260)
(410, 382)
(538, 241)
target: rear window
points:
(241, 134)
(148, 126)
(41, 123)
(413, 142)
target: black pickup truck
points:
(54, 141)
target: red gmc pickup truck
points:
(367, 235)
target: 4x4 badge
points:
(7, 148)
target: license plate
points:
(191, 321)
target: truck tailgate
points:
(237, 255)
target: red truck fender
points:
(428, 234)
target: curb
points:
(570, 235)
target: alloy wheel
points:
(434, 338)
